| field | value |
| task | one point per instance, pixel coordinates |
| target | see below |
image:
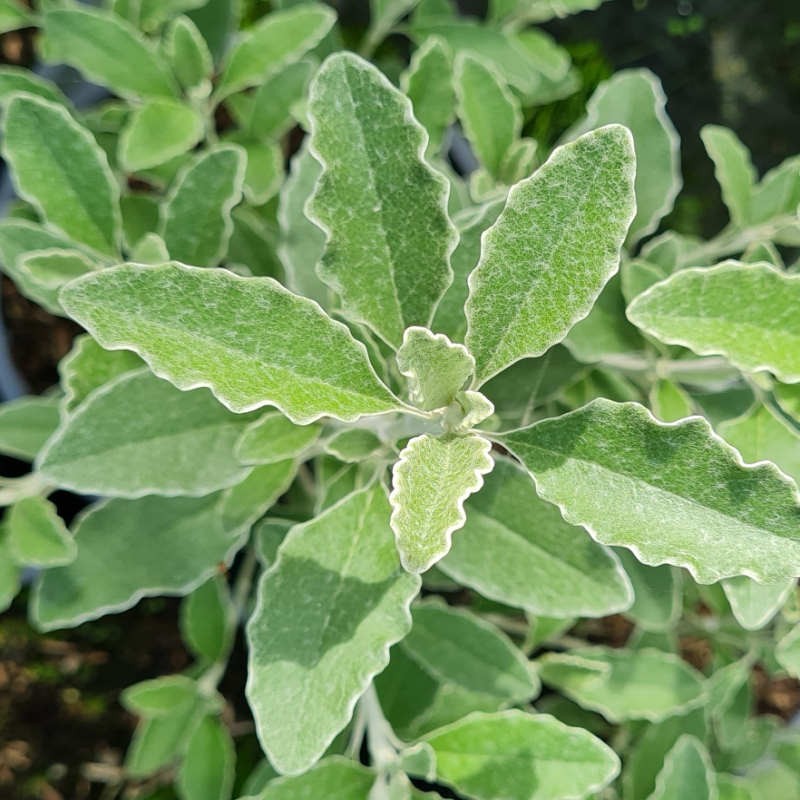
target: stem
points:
(381, 740)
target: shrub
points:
(415, 431)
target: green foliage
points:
(327, 372)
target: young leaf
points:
(107, 50)
(457, 647)
(788, 652)
(208, 768)
(279, 39)
(161, 696)
(273, 438)
(745, 312)
(382, 207)
(196, 217)
(428, 83)
(37, 536)
(263, 176)
(734, 170)
(26, 424)
(353, 445)
(384, 14)
(19, 79)
(207, 620)
(688, 772)
(10, 573)
(657, 590)
(130, 549)
(672, 493)
(335, 778)
(158, 131)
(176, 443)
(302, 243)
(513, 755)
(252, 342)
(431, 481)
(272, 115)
(59, 168)
(489, 112)
(435, 367)
(669, 402)
(755, 604)
(635, 98)
(579, 204)
(624, 684)
(516, 549)
(188, 54)
(338, 578)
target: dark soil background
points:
(732, 62)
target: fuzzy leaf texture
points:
(252, 342)
(383, 208)
(553, 248)
(672, 493)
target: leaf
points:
(658, 598)
(755, 604)
(208, 620)
(88, 367)
(59, 168)
(687, 772)
(745, 312)
(471, 223)
(107, 50)
(672, 493)
(635, 98)
(274, 438)
(302, 242)
(516, 549)
(26, 424)
(264, 173)
(624, 684)
(338, 579)
(154, 13)
(10, 573)
(734, 170)
(455, 646)
(354, 445)
(431, 481)
(36, 535)
(335, 778)
(489, 112)
(436, 368)
(208, 768)
(520, 11)
(176, 443)
(428, 83)
(158, 131)
(253, 344)
(19, 79)
(669, 401)
(188, 55)
(161, 696)
(384, 15)
(271, 115)
(580, 204)
(130, 549)
(730, 702)
(196, 217)
(383, 208)
(512, 755)
(40, 274)
(13, 16)
(787, 652)
(279, 39)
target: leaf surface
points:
(673, 493)
(129, 549)
(755, 604)
(36, 534)
(59, 168)
(207, 770)
(745, 312)
(26, 424)
(174, 443)
(516, 549)
(196, 217)
(735, 172)
(207, 620)
(252, 342)
(334, 778)
(512, 755)
(551, 251)
(687, 772)
(624, 684)
(431, 481)
(274, 438)
(338, 579)
(658, 598)
(383, 208)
